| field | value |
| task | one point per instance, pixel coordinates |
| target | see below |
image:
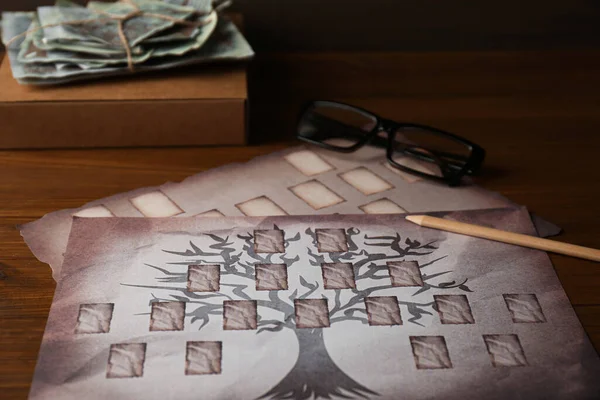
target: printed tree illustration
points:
(237, 257)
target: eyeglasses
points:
(417, 149)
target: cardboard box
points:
(201, 105)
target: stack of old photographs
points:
(68, 42)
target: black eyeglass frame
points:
(470, 167)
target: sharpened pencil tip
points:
(416, 219)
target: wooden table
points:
(537, 114)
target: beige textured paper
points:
(297, 181)
(461, 318)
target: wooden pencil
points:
(506, 237)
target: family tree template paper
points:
(307, 307)
(297, 181)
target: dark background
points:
(411, 25)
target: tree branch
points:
(340, 319)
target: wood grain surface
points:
(537, 114)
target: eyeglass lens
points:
(335, 124)
(428, 152)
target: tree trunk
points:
(315, 374)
